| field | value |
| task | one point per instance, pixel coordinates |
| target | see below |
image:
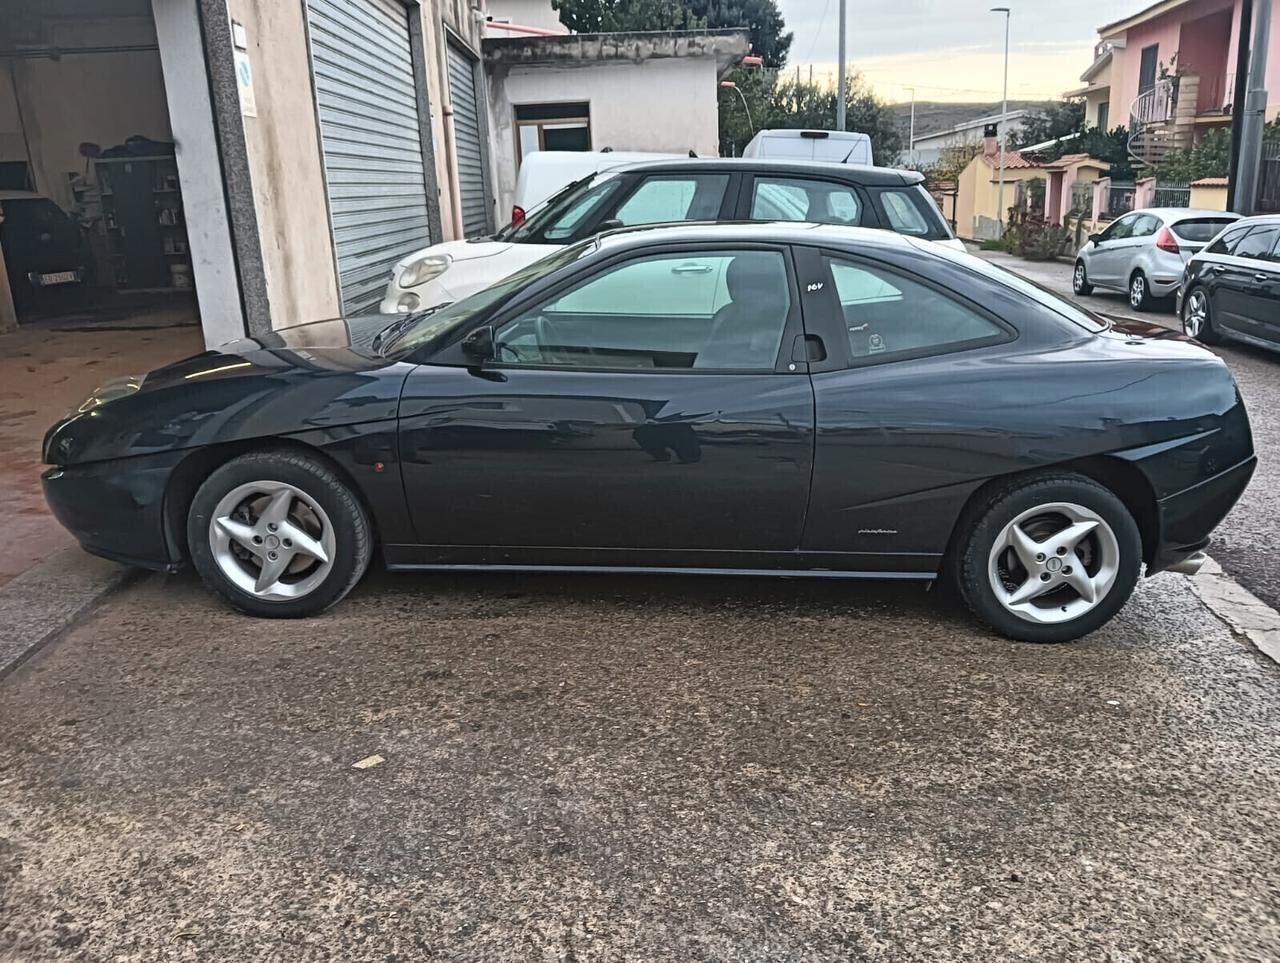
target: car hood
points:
(460, 251)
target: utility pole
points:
(1237, 98)
(911, 137)
(840, 82)
(1255, 110)
(1004, 110)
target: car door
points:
(1264, 296)
(1105, 263)
(899, 442)
(649, 413)
(1240, 300)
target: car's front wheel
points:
(1197, 317)
(278, 534)
(1048, 558)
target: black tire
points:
(352, 533)
(1080, 280)
(1207, 334)
(989, 513)
(1139, 291)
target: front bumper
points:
(116, 508)
(1188, 518)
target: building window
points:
(1104, 115)
(552, 127)
(1148, 67)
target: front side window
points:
(691, 197)
(1121, 229)
(1226, 244)
(799, 199)
(561, 223)
(723, 310)
(889, 315)
(1145, 226)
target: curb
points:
(47, 598)
(1242, 611)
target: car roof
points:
(749, 232)
(855, 173)
(1186, 213)
(1260, 219)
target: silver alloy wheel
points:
(272, 540)
(1054, 563)
(1195, 313)
(1078, 278)
(1137, 290)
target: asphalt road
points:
(638, 769)
(1246, 544)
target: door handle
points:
(1262, 277)
(1216, 269)
(691, 269)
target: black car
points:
(45, 252)
(746, 399)
(1231, 289)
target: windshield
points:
(433, 330)
(1041, 295)
(556, 219)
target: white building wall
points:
(527, 13)
(660, 106)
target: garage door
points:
(467, 139)
(367, 101)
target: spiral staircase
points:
(1152, 133)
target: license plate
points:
(59, 277)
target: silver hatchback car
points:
(1144, 252)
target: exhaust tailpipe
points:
(1191, 564)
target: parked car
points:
(45, 252)
(774, 399)
(677, 190)
(546, 172)
(833, 146)
(1144, 252)
(1231, 289)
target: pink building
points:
(1167, 72)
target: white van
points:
(547, 171)
(832, 146)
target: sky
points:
(954, 49)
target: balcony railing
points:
(1154, 106)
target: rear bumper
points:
(1188, 518)
(116, 508)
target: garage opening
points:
(93, 221)
(469, 136)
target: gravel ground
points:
(637, 769)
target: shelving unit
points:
(143, 220)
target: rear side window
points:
(1258, 244)
(693, 197)
(1200, 229)
(801, 199)
(889, 315)
(1227, 243)
(910, 210)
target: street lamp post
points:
(1004, 110)
(841, 84)
(730, 85)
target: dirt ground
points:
(47, 370)
(637, 769)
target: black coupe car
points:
(750, 399)
(1231, 289)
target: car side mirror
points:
(1096, 239)
(478, 345)
(610, 225)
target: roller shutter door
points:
(369, 131)
(468, 141)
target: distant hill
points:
(933, 116)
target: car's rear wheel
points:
(1080, 280)
(1197, 317)
(278, 534)
(1048, 558)
(1139, 292)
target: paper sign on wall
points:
(244, 82)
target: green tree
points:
(1209, 158)
(951, 163)
(625, 16)
(778, 103)
(1050, 122)
(769, 37)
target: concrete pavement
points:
(619, 769)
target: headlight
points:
(110, 391)
(424, 269)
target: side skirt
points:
(661, 570)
